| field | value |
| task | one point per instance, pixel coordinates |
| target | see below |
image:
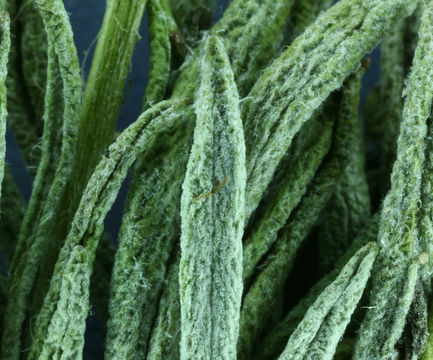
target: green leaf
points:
(293, 87)
(324, 323)
(396, 271)
(289, 184)
(64, 337)
(348, 208)
(151, 223)
(256, 306)
(212, 213)
(149, 231)
(5, 44)
(252, 31)
(274, 343)
(97, 200)
(162, 32)
(62, 106)
(12, 207)
(165, 338)
(26, 79)
(104, 89)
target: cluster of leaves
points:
(248, 161)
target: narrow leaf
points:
(104, 88)
(5, 44)
(210, 273)
(12, 207)
(64, 337)
(317, 335)
(290, 183)
(252, 32)
(62, 105)
(293, 87)
(397, 269)
(162, 31)
(165, 339)
(149, 231)
(153, 202)
(274, 269)
(26, 79)
(348, 209)
(275, 342)
(97, 200)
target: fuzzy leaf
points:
(97, 200)
(62, 105)
(162, 31)
(12, 207)
(151, 224)
(5, 44)
(64, 337)
(293, 87)
(274, 269)
(317, 335)
(26, 80)
(212, 213)
(274, 342)
(290, 183)
(397, 267)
